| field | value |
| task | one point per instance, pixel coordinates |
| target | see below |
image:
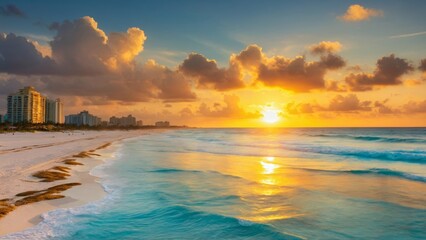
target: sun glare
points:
(270, 115)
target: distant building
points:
(123, 121)
(83, 118)
(139, 123)
(162, 124)
(54, 111)
(27, 105)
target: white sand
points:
(23, 154)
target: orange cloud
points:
(349, 103)
(295, 74)
(356, 13)
(415, 107)
(209, 75)
(388, 71)
(80, 47)
(325, 47)
(231, 108)
(422, 66)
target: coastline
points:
(23, 154)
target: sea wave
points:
(411, 156)
(229, 226)
(178, 170)
(372, 138)
(375, 171)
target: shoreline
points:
(99, 146)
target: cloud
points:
(326, 47)
(357, 13)
(146, 82)
(301, 108)
(422, 66)
(209, 75)
(383, 108)
(231, 108)
(348, 103)
(295, 74)
(415, 107)
(251, 57)
(409, 35)
(388, 72)
(18, 55)
(173, 86)
(81, 48)
(11, 10)
(84, 61)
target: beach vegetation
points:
(72, 161)
(50, 176)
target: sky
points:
(228, 63)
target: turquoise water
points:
(256, 184)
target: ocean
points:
(307, 183)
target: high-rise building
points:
(83, 118)
(54, 111)
(27, 105)
(123, 121)
(162, 124)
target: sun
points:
(270, 115)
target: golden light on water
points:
(269, 168)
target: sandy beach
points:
(24, 154)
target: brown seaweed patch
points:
(82, 155)
(27, 193)
(61, 168)
(5, 207)
(50, 176)
(48, 194)
(103, 146)
(62, 187)
(72, 162)
(38, 198)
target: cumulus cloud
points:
(11, 10)
(325, 47)
(295, 74)
(251, 57)
(150, 81)
(85, 61)
(349, 103)
(209, 75)
(81, 48)
(422, 66)
(415, 107)
(388, 72)
(230, 108)
(18, 55)
(356, 13)
(301, 108)
(383, 108)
